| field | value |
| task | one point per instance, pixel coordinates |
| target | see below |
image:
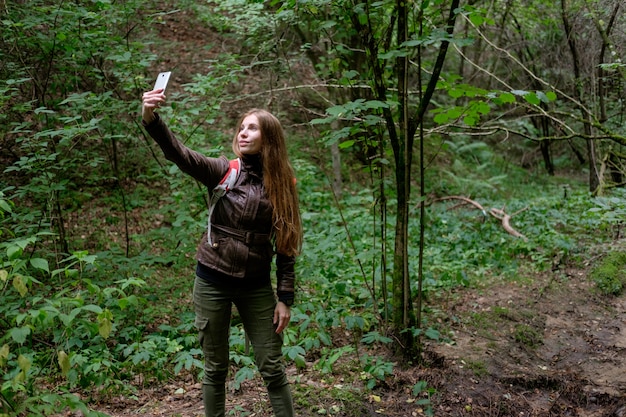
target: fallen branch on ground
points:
(499, 214)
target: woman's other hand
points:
(282, 315)
(150, 101)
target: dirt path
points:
(551, 347)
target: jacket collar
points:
(253, 164)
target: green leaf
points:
(350, 74)
(456, 92)
(71, 273)
(13, 252)
(532, 99)
(470, 120)
(19, 334)
(441, 118)
(5, 206)
(346, 144)
(40, 110)
(40, 263)
(336, 111)
(20, 285)
(375, 104)
(432, 334)
(24, 363)
(412, 43)
(242, 375)
(507, 98)
(300, 362)
(105, 324)
(127, 301)
(419, 387)
(104, 328)
(374, 336)
(322, 121)
(392, 54)
(139, 357)
(482, 107)
(93, 308)
(543, 97)
(64, 362)
(294, 351)
(476, 19)
(455, 112)
(546, 97)
(4, 354)
(67, 319)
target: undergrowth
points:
(99, 320)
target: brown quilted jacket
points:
(242, 219)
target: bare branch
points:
(500, 214)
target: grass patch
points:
(479, 368)
(528, 336)
(610, 275)
(336, 399)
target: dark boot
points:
(214, 399)
(281, 400)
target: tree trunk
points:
(336, 163)
(594, 179)
(403, 317)
(544, 145)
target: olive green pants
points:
(213, 307)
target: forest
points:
(460, 167)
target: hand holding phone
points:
(152, 100)
(162, 79)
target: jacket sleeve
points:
(286, 278)
(207, 170)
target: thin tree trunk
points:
(594, 178)
(403, 307)
(60, 223)
(336, 163)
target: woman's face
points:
(249, 136)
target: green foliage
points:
(421, 389)
(612, 207)
(59, 325)
(69, 309)
(610, 274)
(477, 103)
(80, 64)
(240, 357)
(375, 370)
(71, 319)
(76, 321)
(330, 357)
(85, 308)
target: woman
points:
(258, 217)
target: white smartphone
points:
(162, 79)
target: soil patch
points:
(550, 347)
